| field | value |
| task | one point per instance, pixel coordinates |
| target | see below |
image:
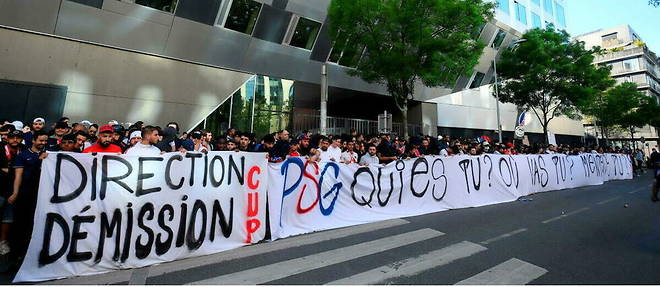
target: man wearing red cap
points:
(104, 144)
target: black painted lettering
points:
(57, 198)
(140, 190)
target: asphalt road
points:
(606, 234)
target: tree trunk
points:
(632, 138)
(545, 133)
(404, 119)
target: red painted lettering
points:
(253, 204)
(250, 176)
(252, 225)
(311, 177)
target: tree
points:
(610, 108)
(550, 75)
(645, 112)
(401, 42)
(654, 3)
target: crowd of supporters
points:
(25, 146)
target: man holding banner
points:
(27, 171)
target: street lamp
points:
(497, 93)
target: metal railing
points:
(339, 125)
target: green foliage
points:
(406, 41)
(645, 111)
(639, 43)
(610, 107)
(551, 75)
(623, 107)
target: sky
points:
(584, 16)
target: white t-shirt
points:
(143, 150)
(349, 157)
(369, 160)
(332, 152)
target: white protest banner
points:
(98, 213)
(306, 196)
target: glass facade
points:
(536, 21)
(349, 56)
(499, 38)
(163, 5)
(537, 2)
(503, 5)
(305, 33)
(561, 18)
(521, 13)
(478, 78)
(261, 105)
(243, 16)
(547, 6)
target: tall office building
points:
(630, 60)
(251, 64)
(470, 108)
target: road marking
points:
(639, 189)
(245, 251)
(280, 244)
(566, 215)
(486, 242)
(139, 276)
(413, 266)
(608, 200)
(511, 272)
(279, 270)
(98, 279)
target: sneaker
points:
(4, 247)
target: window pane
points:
(477, 31)
(631, 65)
(561, 19)
(351, 55)
(547, 6)
(503, 5)
(334, 55)
(305, 34)
(537, 2)
(521, 13)
(243, 16)
(536, 21)
(477, 80)
(163, 5)
(499, 39)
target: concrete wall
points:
(105, 83)
(189, 35)
(593, 39)
(476, 109)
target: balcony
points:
(636, 51)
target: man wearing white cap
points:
(38, 124)
(18, 125)
(135, 137)
(147, 146)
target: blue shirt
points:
(31, 165)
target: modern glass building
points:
(250, 64)
(473, 95)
